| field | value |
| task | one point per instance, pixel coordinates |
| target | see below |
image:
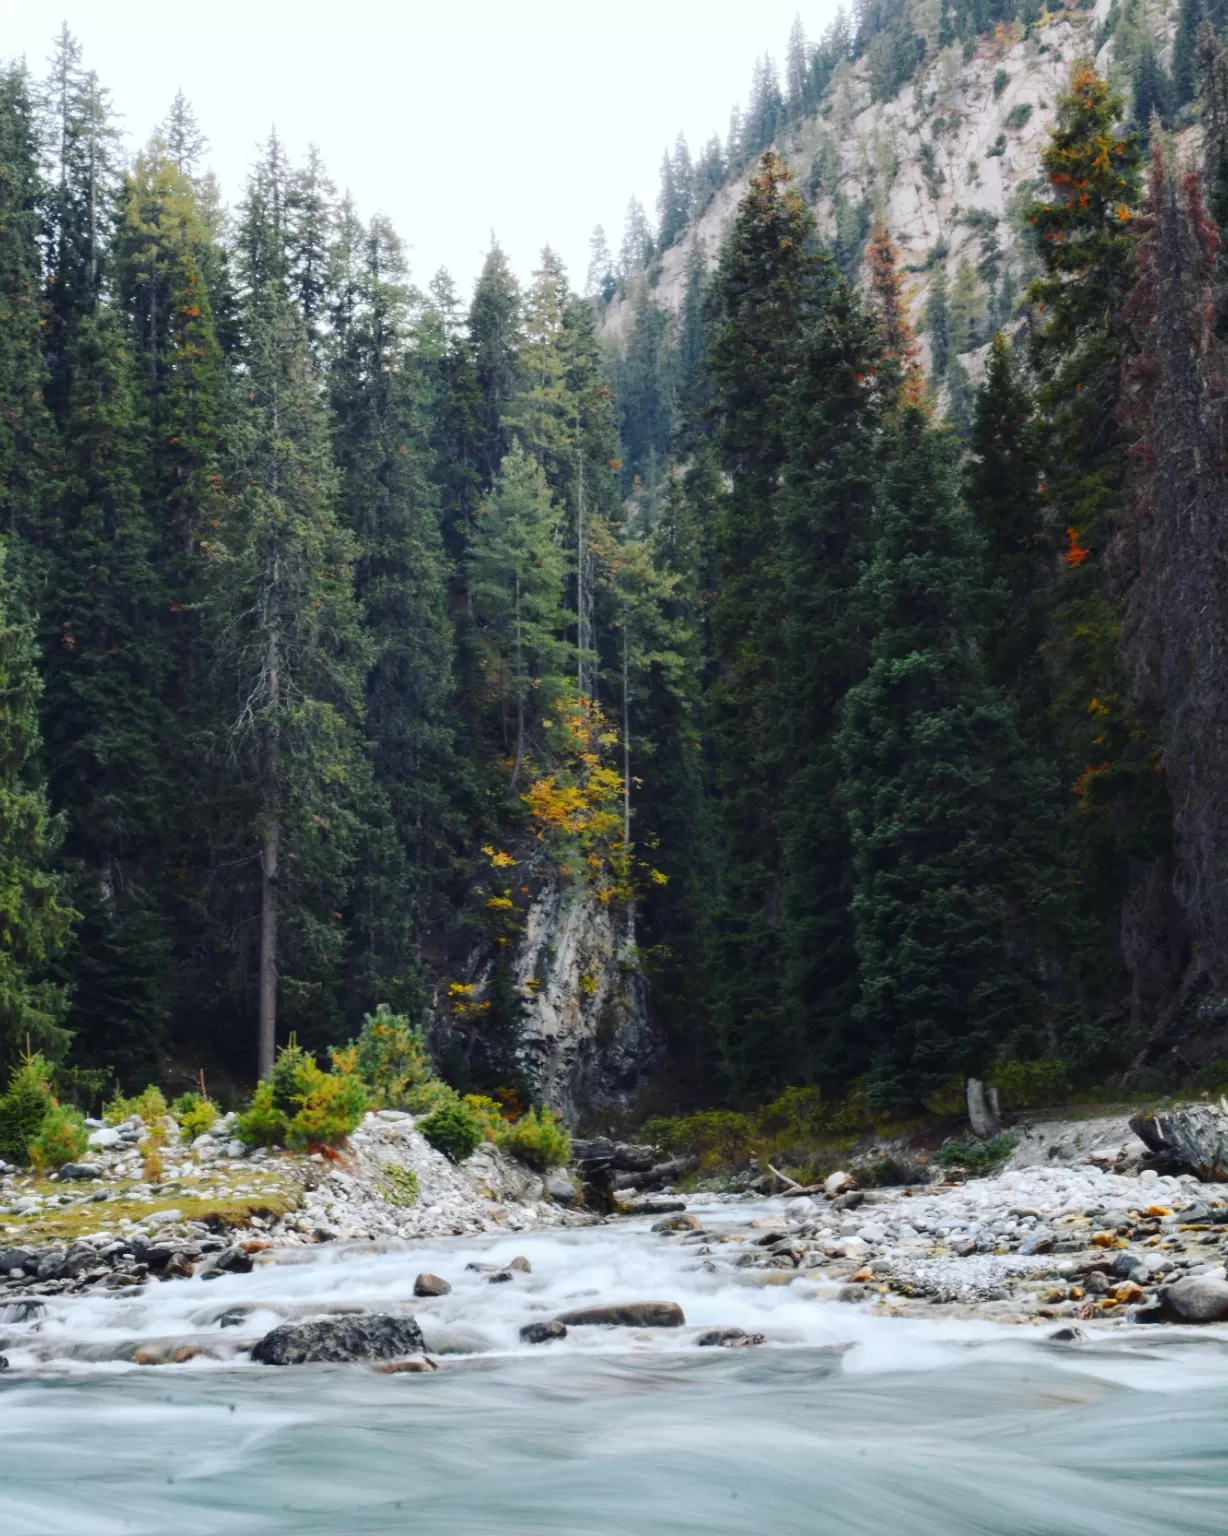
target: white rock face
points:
(106, 1137)
(922, 159)
(587, 1036)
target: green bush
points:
(149, 1104)
(23, 1108)
(1000, 81)
(300, 1104)
(997, 148)
(62, 1138)
(714, 1136)
(194, 1113)
(454, 1130)
(1032, 1084)
(1018, 115)
(390, 1057)
(978, 1157)
(539, 1139)
(328, 1111)
(262, 1124)
(1213, 1078)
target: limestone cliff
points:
(947, 164)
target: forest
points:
(338, 614)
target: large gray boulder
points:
(375, 1336)
(1194, 1137)
(1198, 1299)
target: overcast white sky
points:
(536, 118)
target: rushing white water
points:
(843, 1422)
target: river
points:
(842, 1422)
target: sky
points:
(535, 118)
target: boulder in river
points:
(418, 1365)
(631, 1314)
(683, 1223)
(728, 1338)
(648, 1207)
(230, 1261)
(430, 1285)
(543, 1333)
(375, 1336)
(520, 1265)
(1198, 1299)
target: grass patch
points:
(68, 1223)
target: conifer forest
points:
(857, 667)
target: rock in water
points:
(377, 1336)
(520, 1265)
(431, 1285)
(837, 1183)
(728, 1338)
(677, 1224)
(632, 1314)
(1200, 1299)
(543, 1333)
(418, 1366)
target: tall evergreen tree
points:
(762, 292)
(950, 818)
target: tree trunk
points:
(984, 1121)
(269, 849)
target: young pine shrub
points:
(262, 1124)
(23, 1108)
(391, 1059)
(61, 1138)
(195, 1114)
(150, 1104)
(539, 1139)
(454, 1130)
(327, 1112)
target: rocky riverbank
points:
(218, 1207)
(1075, 1229)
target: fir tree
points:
(948, 814)
(32, 897)
(762, 292)
(494, 333)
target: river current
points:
(843, 1421)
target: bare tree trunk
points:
(981, 1111)
(626, 729)
(269, 849)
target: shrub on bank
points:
(195, 1114)
(454, 1130)
(538, 1139)
(23, 1108)
(61, 1138)
(150, 1104)
(300, 1104)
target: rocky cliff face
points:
(587, 1037)
(947, 164)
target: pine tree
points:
(494, 332)
(32, 898)
(516, 574)
(1001, 486)
(26, 429)
(286, 630)
(762, 292)
(1086, 236)
(843, 390)
(948, 814)
(389, 504)
(937, 322)
(1177, 628)
(600, 281)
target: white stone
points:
(105, 1136)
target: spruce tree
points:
(27, 436)
(843, 389)
(949, 815)
(494, 334)
(291, 654)
(388, 502)
(762, 296)
(33, 899)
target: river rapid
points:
(843, 1421)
